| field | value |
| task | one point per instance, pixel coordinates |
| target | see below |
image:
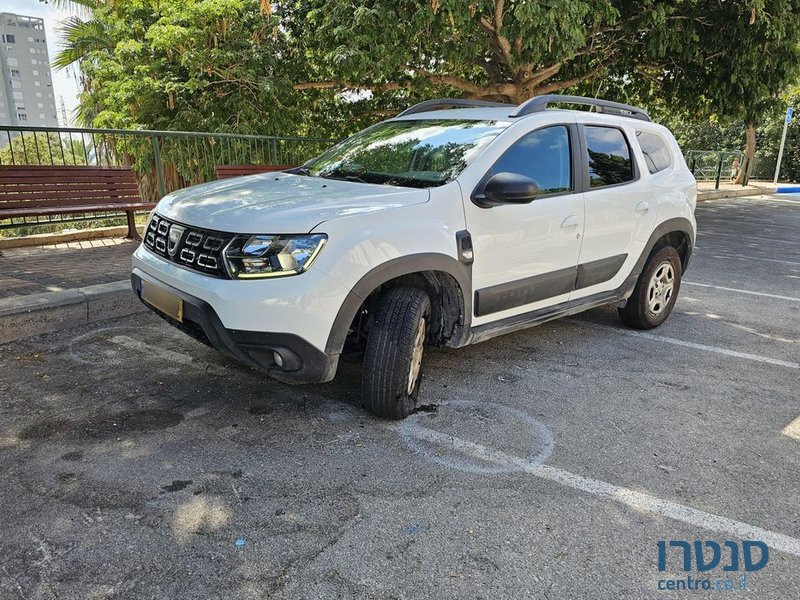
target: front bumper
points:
(301, 361)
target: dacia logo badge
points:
(175, 235)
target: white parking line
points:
(792, 430)
(687, 344)
(166, 355)
(760, 201)
(739, 291)
(705, 232)
(638, 501)
(735, 256)
(772, 199)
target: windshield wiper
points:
(354, 178)
(301, 171)
(411, 182)
(345, 176)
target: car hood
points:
(280, 202)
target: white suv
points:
(450, 224)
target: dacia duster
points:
(452, 223)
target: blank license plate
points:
(162, 300)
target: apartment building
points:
(27, 97)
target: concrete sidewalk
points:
(48, 288)
(53, 287)
(706, 191)
(58, 267)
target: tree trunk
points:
(749, 153)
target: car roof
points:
(604, 111)
(502, 115)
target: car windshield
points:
(413, 153)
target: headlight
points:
(257, 256)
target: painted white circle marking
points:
(483, 438)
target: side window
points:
(609, 156)
(544, 156)
(656, 153)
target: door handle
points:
(642, 207)
(570, 221)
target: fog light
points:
(278, 359)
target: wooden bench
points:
(33, 191)
(228, 171)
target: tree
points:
(493, 49)
(329, 67)
(747, 52)
(180, 64)
(768, 138)
(35, 148)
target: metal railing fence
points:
(164, 161)
(715, 165)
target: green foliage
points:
(42, 149)
(745, 54)
(65, 226)
(768, 144)
(210, 65)
(330, 67)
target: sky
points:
(65, 84)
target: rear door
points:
(618, 207)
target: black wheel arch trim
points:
(680, 224)
(391, 269)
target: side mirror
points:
(507, 188)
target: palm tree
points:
(83, 35)
(80, 38)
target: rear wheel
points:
(393, 354)
(656, 291)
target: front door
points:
(526, 255)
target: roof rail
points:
(540, 103)
(431, 105)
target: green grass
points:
(34, 229)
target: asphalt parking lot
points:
(137, 463)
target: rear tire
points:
(393, 354)
(656, 291)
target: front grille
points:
(197, 249)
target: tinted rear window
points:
(609, 156)
(656, 153)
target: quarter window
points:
(656, 153)
(544, 156)
(608, 155)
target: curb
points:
(717, 194)
(26, 316)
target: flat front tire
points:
(656, 291)
(394, 352)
